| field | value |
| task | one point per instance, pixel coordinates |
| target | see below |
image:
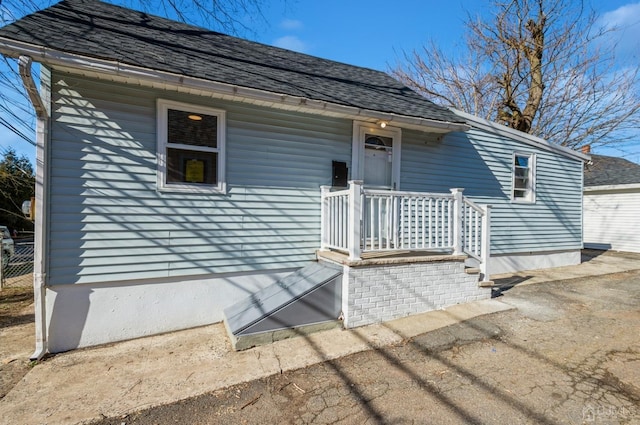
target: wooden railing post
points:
(486, 244)
(324, 217)
(457, 220)
(355, 214)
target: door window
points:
(378, 161)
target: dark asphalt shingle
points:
(101, 30)
(609, 170)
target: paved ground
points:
(16, 335)
(569, 353)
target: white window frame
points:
(530, 197)
(163, 144)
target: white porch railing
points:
(358, 220)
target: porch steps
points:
(476, 270)
(472, 270)
(305, 301)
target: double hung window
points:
(191, 143)
(523, 178)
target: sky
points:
(369, 33)
(375, 33)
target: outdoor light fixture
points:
(382, 124)
(195, 117)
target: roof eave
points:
(612, 187)
(520, 136)
(72, 61)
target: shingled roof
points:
(94, 29)
(609, 170)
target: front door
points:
(376, 159)
(376, 154)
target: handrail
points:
(476, 227)
(359, 220)
(336, 193)
(400, 193)
(473, 205)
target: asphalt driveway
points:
(569, 354)
(555, 346)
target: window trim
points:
(162, 127)
(531, 196)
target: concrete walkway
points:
(117, 379)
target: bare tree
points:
(543, 67)
(229, 16)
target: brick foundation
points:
(378, 291)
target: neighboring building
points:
(612, 204)
(189, 177)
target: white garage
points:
(612, 204)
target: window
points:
(190, 147)
(523, 178)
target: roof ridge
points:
(230, 36)
(94, 29)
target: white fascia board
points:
(101, 67)
(520, 136)
(612, 187)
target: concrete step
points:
(472, 270)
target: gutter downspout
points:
(39, 265)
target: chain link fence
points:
(17, 269)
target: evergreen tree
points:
(17, 184)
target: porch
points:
(383, 255)
(391, 226)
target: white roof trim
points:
(607, 187)
(520, 136)
(102, 67)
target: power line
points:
(13, 129)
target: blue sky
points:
(374, 33)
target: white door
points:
(378, 161)
(376, 156)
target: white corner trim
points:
(102, 67)
(520, 136)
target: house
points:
(611, 204)
(187, 177)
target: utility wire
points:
(20, 134)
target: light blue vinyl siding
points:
(480, 162)
(108, 222)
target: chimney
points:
(586, 149)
